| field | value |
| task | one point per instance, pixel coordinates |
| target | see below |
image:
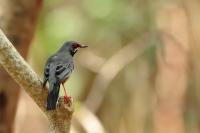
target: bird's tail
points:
(53, 95)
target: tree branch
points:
(22, 73)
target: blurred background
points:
(140, 73)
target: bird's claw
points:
(66, 102)
(67, 99)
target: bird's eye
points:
(76, 45)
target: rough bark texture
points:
(18, 21)
(22, 73)
(172, 61)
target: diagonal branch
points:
(22, 73)
(119, 60)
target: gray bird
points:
(58, 69)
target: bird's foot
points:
(66, 102)
(67, 99)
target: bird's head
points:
(72, 47)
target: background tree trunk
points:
(172, 61)
(192, 8)
(18, 21)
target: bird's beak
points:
(83, 46)
(79, 46)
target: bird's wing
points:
(64, 70)
(47, 69)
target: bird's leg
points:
(66, 98)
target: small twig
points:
(22, 73)
(88, 120)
